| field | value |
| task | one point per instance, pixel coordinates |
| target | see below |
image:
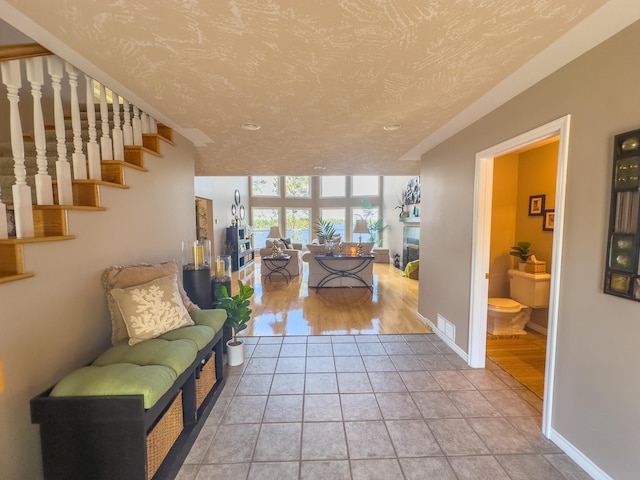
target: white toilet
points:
(508, 316)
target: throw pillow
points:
(124, 276)
(316, 249)
(287, 243)
(151, 309)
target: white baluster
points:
(137, 126)
(118, 142)
(44, 188)
(4, 228)
(105, 140)
(79, 159)
(63, 167)
(22, 205)
(93, 149)
(153, 125)
(127, 130)
(146, 127)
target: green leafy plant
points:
(521, 250)
(237, 308)
(324, 229)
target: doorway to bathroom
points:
(524, 191)
(481, 260)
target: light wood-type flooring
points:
(523, 357)
(281, 309)
(294, 309)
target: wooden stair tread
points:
(24, 241)
(125, 164)
(64, 207)
(15, 278)
(100, 182)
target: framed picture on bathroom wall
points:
(536, 205)
(548, 220)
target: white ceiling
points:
(320, 77)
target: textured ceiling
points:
(321, 77)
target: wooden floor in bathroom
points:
(523, 357)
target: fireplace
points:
(410, 245)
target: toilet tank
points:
(531, 289)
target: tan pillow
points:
(151, 309)
(315, 249)
(125, 276)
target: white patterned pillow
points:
(151, 309)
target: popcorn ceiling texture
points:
(320, 77)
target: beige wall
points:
(58, 320)
(503, 223)
(220, 190)
(596, 383)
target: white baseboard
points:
(577, 456)
(537, 328)
(461, 353)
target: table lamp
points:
(275, 234)
(360, 228)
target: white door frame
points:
(481, 243)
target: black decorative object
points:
(622, 275)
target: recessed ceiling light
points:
(319, 167)
(250, 126)
(392, 127)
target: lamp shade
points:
(361, 227)
(274, 233)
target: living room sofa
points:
(135, 411)
(295, 264)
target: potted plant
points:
(238, 315)
(326, 231)
(521, 250)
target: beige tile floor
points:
(371, 407)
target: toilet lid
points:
(503, 303)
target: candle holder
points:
(222, 270)
(196, 271)
(196, 255)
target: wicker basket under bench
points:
(114, 437)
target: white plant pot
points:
(235, 353)
(522, 266)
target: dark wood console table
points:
(343, 266)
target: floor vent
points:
(446, 327)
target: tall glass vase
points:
(328, 247)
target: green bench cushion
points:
(151, 381)
(198, 334)
(176, 354)
(213, 318)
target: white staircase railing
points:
(88, 151)
(44, 186)
(12, 78)
(79, 159)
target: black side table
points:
(196, 284)
(278, 266)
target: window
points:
(371, 216)
(333, 186)
(263, 220)
(298, 222)
(265, 186)
(297, 187)
(338, 217)
(365, 185)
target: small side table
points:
(278, 265)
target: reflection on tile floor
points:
(371, 407)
